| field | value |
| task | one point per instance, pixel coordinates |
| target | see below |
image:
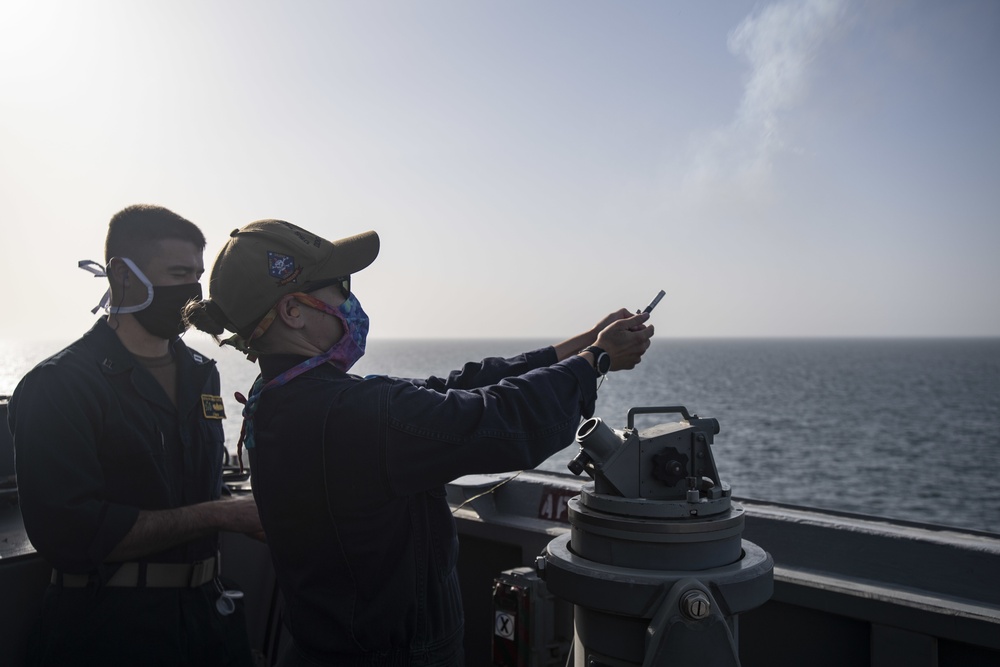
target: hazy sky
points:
(813, 168)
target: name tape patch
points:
(212, 407)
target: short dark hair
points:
(134, 229)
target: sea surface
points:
(901, 428)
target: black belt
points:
(158, 575)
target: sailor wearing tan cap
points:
(349, 472)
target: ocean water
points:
(908, 428)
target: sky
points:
(816, 168)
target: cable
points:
(487, 491)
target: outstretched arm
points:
(622, 334)
(571, 346)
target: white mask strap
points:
(100, 272)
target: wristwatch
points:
(602, 360)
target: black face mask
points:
(163, 316)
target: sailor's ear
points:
(118, 272)
(290, 312)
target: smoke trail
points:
(778, 42)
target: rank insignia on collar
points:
(212, 407)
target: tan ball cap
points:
(263, 261)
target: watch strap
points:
(598, 354)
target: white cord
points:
(489, 490)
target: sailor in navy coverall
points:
(118, 452)
(349, 472)
(97, 439)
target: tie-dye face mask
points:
(351, 346)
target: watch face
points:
(603, 363)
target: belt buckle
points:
(201, 571)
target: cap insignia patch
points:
(282, 267)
